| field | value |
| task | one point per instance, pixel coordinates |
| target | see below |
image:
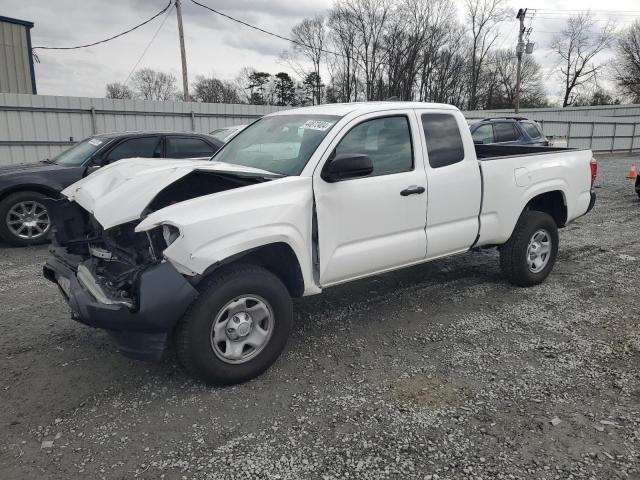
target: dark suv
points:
(508, 131)
(24, 219)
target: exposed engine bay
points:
(109, 262)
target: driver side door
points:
(377, 222)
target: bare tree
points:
(444, 78)
(483, 17)
(344, 68)
(310, 35)
(213, 90)
(414, 35)
(443, 39)
(502, 79)
(627, 63)
(118, 90)
(244, 84)
(577, 46)
(369, 20)
(154, 85)
(596, 96)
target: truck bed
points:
(522, 173)
(490, 152)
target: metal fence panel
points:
(575, 113)
(33, 127)
(583, 127)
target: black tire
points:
(192, 335)
(7, 233)
(514, 254)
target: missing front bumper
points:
(164, 295)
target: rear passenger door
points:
(187, 147)
(453, 183)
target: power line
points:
(552, 15)
(585, 10)
(507, 38)
(144, 52)
(110, 38)
(301, 44)
(287, 39)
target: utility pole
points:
(519, 51)
(185, 80)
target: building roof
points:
(17, 21)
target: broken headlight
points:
(170, 234)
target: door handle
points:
(412, 190)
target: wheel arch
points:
(552, 202)
(43, 189)
(279, 258)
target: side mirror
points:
(345, 166)
(478, 142)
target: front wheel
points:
(530, 253)
(237, 327)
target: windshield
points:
(79, 153)
(280, 144)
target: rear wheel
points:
(24, 219)
(237, 327)
(530, 254)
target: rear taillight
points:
(594, 169)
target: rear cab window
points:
(443, 139)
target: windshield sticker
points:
(317, 125)
(95, 142)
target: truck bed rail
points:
(491, 151)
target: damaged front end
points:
(116, 279)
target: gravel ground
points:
(442, 371)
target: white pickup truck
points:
(207, 254)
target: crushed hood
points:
(120, 192)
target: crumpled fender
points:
(217, 226)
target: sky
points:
(217, 46)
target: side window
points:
(444, 143)
(187, 147)
(143, 147)
(531, 129)
(483, 134)
(387, 142)
(505, 132)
